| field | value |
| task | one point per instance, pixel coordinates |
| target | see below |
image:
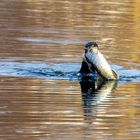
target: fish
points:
(96, 61)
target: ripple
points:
(59, 71)
(40, 40)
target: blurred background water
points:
(41, 47)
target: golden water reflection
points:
(36, 109)
(55, 32)
(41, 30)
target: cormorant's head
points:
(91, 45)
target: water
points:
(42, 96)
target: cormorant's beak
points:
(91, 47)
(94, 47)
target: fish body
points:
(98, 61)
(93, 58)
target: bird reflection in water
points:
(94, 92)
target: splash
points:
(59, 71)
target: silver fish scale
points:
(97, 59)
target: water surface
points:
(42, 96)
